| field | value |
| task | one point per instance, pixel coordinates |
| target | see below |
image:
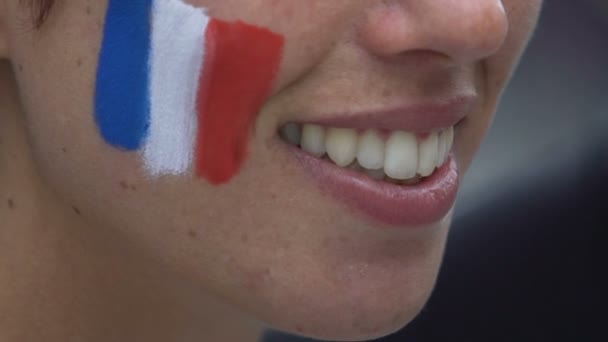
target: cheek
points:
(241, 73)
(182, 89)
(494, 78)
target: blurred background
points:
(527, 258)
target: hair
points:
(40, 10)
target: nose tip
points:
(463, 30)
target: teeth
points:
(450, 138)
(341, 145)
(291, 133)
(443, 145)
(401, 155)
(428, 154)
(370, 152)
(313, 140)
(446, 138)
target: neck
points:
(64, 279)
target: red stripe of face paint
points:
(241, 63)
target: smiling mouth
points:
(397, 157)
(395, 166)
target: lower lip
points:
(406, 206)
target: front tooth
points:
(401, 155)
(291, 133)
(313, 140)
(370, 151)
(427, 155)
(442, 148)
(341, 145)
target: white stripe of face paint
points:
(176, 59)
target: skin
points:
(91, 249)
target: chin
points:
(357, 301)
(354, 317)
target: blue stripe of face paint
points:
(122, 101)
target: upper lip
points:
(421, 117)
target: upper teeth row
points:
(402, 155)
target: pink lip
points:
(419, 118)
(396, 205)
(407, 206)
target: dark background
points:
(527, 258)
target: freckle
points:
(20, 67)
(64, 150)
(133, 187)
(192, 234)
(11, 203)
(299, 329)
(88, 10)
(76, 210)
(79, 62)
(244, 238)
(124, 185)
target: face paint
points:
(241, 64)
(122, 98)
(182, 88)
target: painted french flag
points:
(181, 87)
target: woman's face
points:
(291, 238)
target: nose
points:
(463, 30)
